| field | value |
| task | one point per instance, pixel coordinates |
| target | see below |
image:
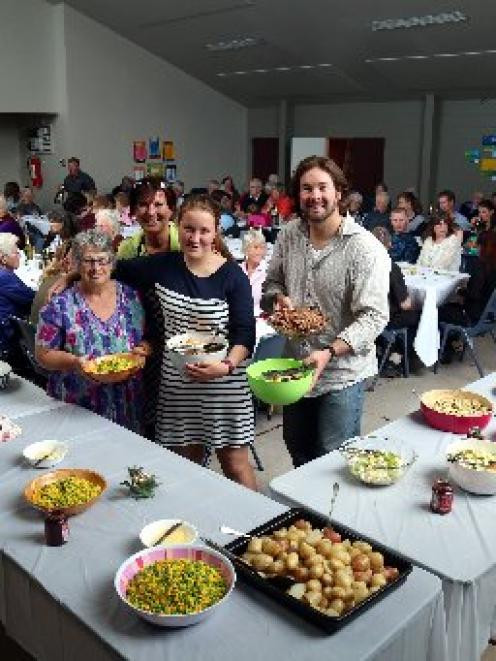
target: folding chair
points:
(390, 335)
(486, 324)
(27, 333)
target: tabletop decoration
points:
(8, 430)
(140, 483)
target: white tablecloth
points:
(459, 547)
(59, 603)
(30, 273)
(22, 398)
(430, 288)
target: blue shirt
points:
(15, 299)
(404, 248)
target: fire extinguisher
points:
(34, 167)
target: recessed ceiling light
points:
(324, 65)
(235, 44)
(426, 57)
(306, 66)
(419, 21)
(282, 69)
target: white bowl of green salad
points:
(378, 461)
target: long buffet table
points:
(460, 547)
(59, 603)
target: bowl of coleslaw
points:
(456, 411)
(472, 465)
(378, 461)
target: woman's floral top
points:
(68, 323)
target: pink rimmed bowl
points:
(142, 559)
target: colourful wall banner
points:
(139, 151)
(489, 140)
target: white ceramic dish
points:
(479, 481)
(5, 372)
(179, 344)
(142, 559)
(151, 533)
(55, 449)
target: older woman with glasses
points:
(94, 317)
(254, 265)
(442, 248)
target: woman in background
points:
(15, 296)
(442, 248)
(254, 265)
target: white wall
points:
(303, 147)
(462, 125)
(10, 155)
(118, 92)
(28, 61)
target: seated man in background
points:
(27, 206)
(470, 208)
(446, 203)
(255, 196)
(379, 216)
(404, 247)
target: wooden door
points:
(362, 161)
(265, 157)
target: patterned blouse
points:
(68, 323)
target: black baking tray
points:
(325, 622)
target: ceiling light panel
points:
(451, 17)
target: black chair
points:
(26, 332)
(389, 337)
(486, 324)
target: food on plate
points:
(113, 363)
(190, 345)
(477, 459)
(65, 492)
(298, 322)
(283, 376)
(176, 587)
(459, 403)
(376, 466)
(333, 575)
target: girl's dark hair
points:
(12, 189)
(144, 191)
(322, 163)
(413, 200)
(435, 220)
(206, 203)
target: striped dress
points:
(220, 412)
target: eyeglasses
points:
(96, 261)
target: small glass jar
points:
(442, 497)
(56, 529)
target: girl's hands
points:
(204, 372)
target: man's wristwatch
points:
(229, 363)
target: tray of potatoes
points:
(337, 573)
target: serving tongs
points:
(278, 581)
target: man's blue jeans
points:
(314, 426)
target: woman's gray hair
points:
(91, 239)
(8, 243)
(112, 216)
(252, 237)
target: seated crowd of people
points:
(87, 303)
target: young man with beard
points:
(322, 259)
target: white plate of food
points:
(168, 532)
(45, 454)
(195, 347)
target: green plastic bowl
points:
(278, 394)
